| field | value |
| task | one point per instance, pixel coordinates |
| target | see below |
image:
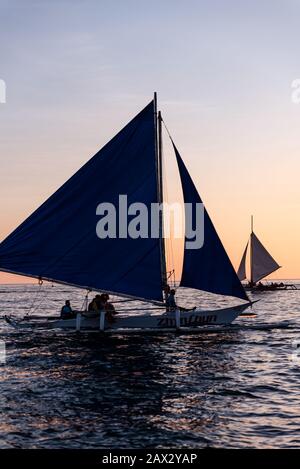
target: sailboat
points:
(58, 242)
(262, 264)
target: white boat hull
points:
(188, 319)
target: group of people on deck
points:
(101, 303)
(269, 286)
(98, 304)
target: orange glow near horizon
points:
(174, 256)
(235, 178)
(275, 220)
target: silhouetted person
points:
(109, 308)
(66, 311)
(170, 301)
(93, 305)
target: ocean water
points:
(234, 389)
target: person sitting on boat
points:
(66, 311)
(93, 305)
(170, 301)
(167, 290)
(93, 308)
(101, 301)
(109, 308)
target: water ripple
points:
(233, 389)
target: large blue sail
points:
(207, 268)
(59, 241)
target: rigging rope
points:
(85, 303)
(30, 308)
(34, 307)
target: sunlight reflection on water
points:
(233, 389)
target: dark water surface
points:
(238, 388)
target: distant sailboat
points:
(262, 263)
(58, 242)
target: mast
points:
(251, 253)
(158, 147)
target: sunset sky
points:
(77, 71)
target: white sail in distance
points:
(241, 273)
(261, 261)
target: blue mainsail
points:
(59, 242)
(208, 268)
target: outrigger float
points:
(60, 241)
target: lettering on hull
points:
(193, 320)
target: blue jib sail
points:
(59, 241)
(207, 268)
